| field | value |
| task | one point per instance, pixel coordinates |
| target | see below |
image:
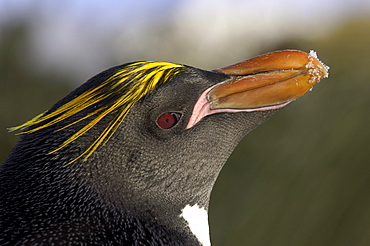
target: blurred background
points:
(301, 178)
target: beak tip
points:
(316, 68)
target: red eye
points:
(168, 120)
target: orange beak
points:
(265, 82)
(271, 79)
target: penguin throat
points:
(197, 219)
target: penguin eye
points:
(168, 120)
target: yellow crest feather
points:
(121, 91)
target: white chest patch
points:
(197, 219)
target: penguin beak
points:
(267, 81)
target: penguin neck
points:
(181, 208)
(187, 217)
